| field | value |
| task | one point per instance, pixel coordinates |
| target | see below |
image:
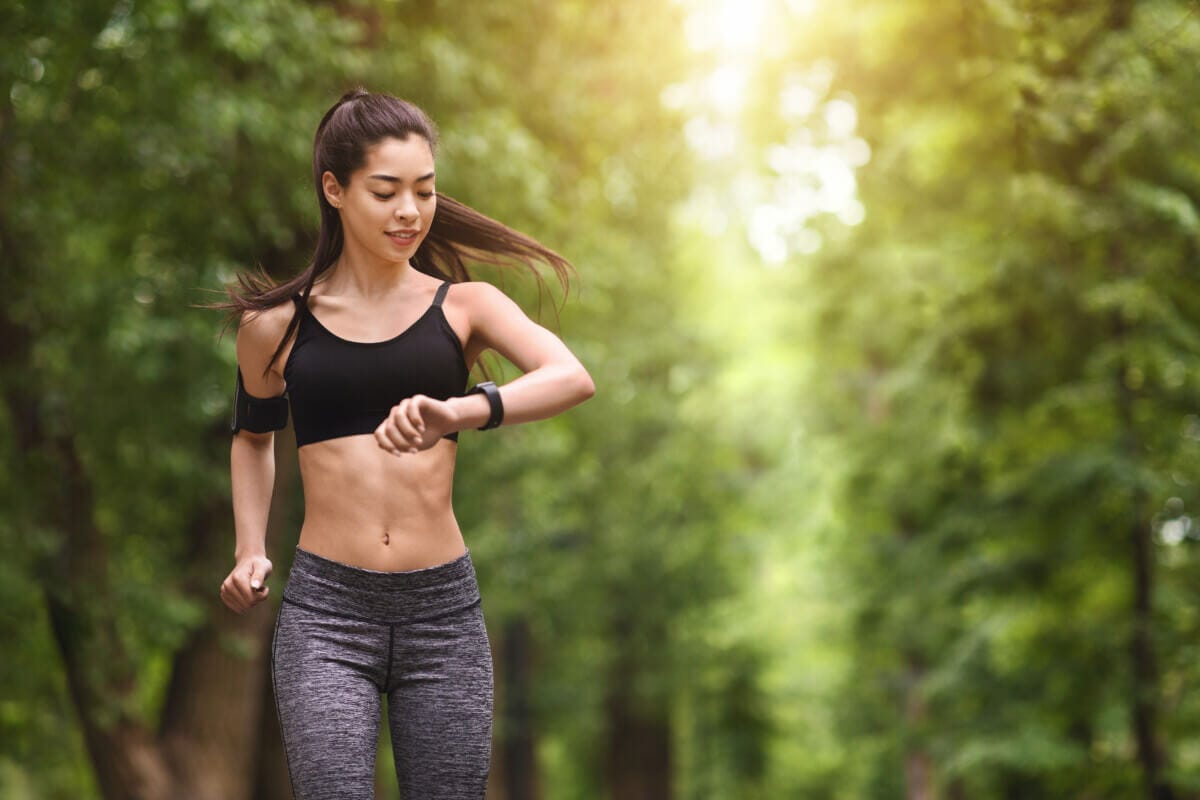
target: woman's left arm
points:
(553, 380)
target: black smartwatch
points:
(493, 396)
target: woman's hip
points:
(324, 585)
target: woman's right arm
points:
(252, 476)
(252, 469)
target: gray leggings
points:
(347, 635)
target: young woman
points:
(370, 348)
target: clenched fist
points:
(247, 583)
(415, 423)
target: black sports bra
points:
(337, 387)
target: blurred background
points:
(887, 490)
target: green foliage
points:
(1002, 373)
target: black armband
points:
(257, 414)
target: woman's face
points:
(388, 206)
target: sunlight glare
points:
(810, 173)
(726, 25)
(726, 87)
(841, 118)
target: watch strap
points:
(489, 389)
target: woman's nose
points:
(407, 208)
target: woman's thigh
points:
(440, 703)
(328, 672)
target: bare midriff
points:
(366, 507)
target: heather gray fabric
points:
(347, 635)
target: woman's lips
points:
(403, 238)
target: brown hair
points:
(457, 234)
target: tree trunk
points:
(518, 746)
(1151, 756)
(637, 762)
(918, 769)
(1150, 753)
(100, 675)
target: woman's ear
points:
(333, 189)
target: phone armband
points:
(257, 414)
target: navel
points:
(386, 538)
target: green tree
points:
(1004, 360)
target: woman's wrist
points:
(243, 553)
(472, 411)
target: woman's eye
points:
(426, 195)
(384, 196)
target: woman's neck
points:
(361, 275)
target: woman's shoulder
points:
(259, 333)
(476, 293)
(272, 320)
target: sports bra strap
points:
(441, 294)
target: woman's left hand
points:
(415, 423)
